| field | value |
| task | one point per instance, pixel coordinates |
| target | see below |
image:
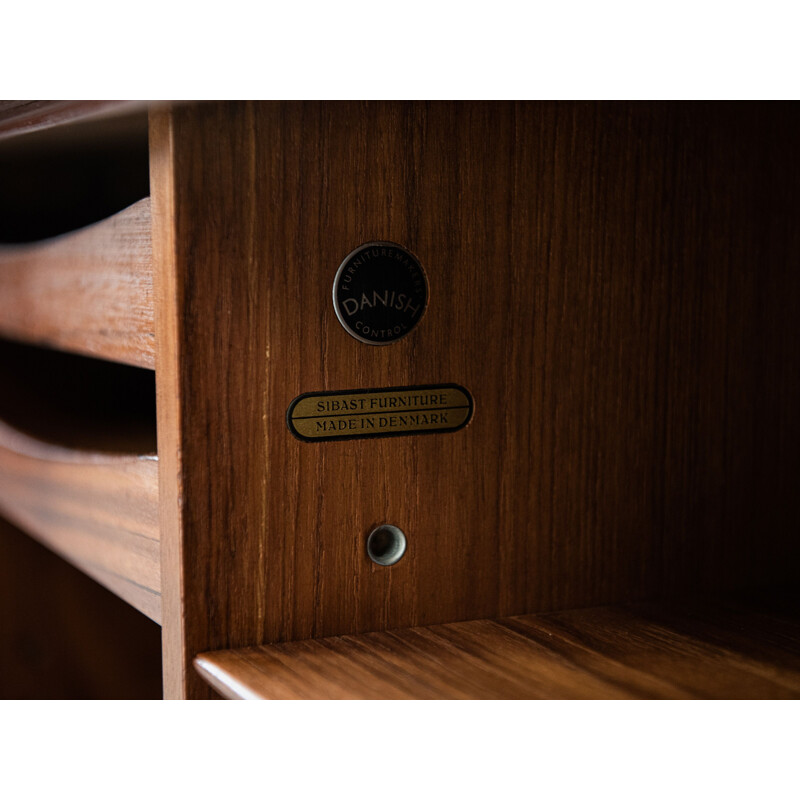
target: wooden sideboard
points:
(616, 286)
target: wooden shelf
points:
(26, 116)
(78, 467)
(90, 291)
(721, 651)
(98, 510)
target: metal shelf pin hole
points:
(386, 545)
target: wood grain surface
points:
(63, 636)
(605, 653)
(97, 510)
(615, 284)
(27, 116)
(88, 292)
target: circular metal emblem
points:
(380, 293)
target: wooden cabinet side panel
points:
(613, 283)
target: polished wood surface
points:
(28, 116)
(63, 636)
(727, 652)
(176, 606)
(615, 284)
(97, 510)
(88, 292)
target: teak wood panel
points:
(615, 284)
(90, 291)
(99, 511)
(603, 653)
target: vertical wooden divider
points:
(166, 280)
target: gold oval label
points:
(370, 413)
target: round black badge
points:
(380, 293)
